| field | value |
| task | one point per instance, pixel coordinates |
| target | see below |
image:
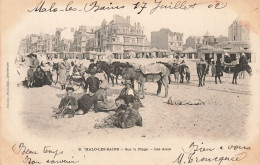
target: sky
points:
(190, 22)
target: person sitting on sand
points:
(86, 102)
(38, 76)
(130, 96)
(68, 105)
(102, 100)
(124, 117)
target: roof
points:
(232, 44)
(206, 47)
(236, 50)
(168, 31)
(219, 50)
(189, 50)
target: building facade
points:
(120, 37)
(194, 42)
(83, 39)
(168, 40)
(238, 31)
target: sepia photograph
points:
(145, 82)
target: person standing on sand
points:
(35, 62)
(92, 82)
(176, 68)
(218, 71)
(92, 65)
(64, 68)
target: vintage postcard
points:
(147, 82)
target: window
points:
(133, 40)
(139, 40)
(127, 40)
(113, 39)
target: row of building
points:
(120, 39)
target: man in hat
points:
(68, 105)
(92, 65)
(92, 82)
(243, 60)
(227, 58)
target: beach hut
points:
(190, 53)
(235, 53)
(219, 54)
(206, 52)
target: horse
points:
(170, 67)
(160, 76)
(117, 68)
(202, 70)
(183, 71)
(104, 66)
(241, 67)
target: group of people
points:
(177, 66)
(216, 68)
(95, 98)
(67, 69)
(35, 74)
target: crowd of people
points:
(95, 95)
(95, 98)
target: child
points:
(30, 77)
(68, 105)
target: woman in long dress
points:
(102, 102)
(64, 68)
(130, 96)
